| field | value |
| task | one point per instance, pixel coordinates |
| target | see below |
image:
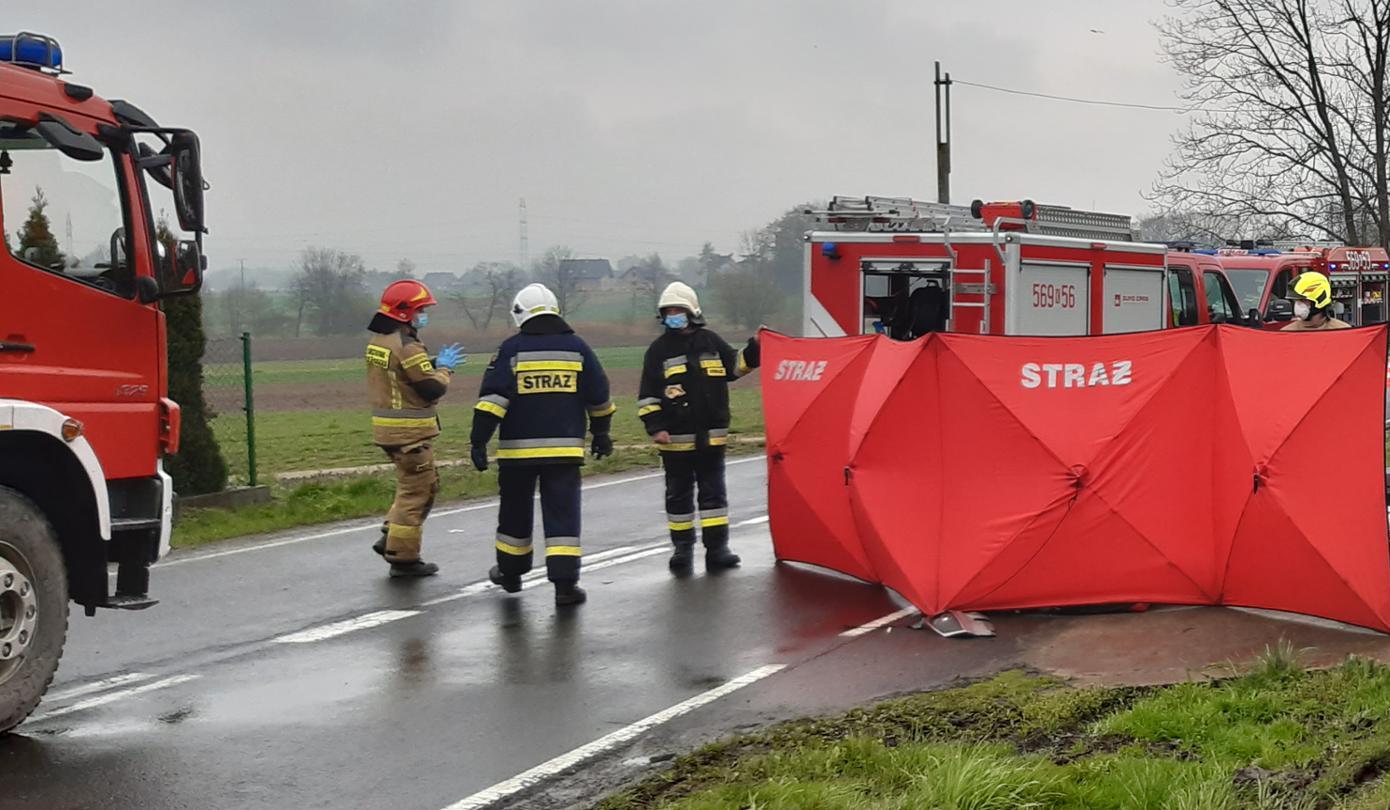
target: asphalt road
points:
(290, 672)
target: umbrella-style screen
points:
(1190, 466)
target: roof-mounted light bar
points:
(31, 50)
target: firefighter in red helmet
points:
(404, 384)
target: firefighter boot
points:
(682, 562)
(568, 592)
(414, 568)
(380, 546)
(510, 584)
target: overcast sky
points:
(411, 129)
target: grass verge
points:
(1274, 738)
(318, 440)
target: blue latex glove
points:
(451, 356)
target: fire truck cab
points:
(1200, 292)
(84, 412)
(904, 268)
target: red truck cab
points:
(1199, 291)
(85, 417)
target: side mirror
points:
(186, 174)
(1280, 310)
(1252, 318)
(181, 273)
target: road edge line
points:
(564, 762)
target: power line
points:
(1075, 100)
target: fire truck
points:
(1261, 276)
(84, 414)
(903, 267)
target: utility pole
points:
(943, 144)
(240, 298)
(525, 239)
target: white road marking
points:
(594, 562)
(752, 521)
(362, 622)
(97, 686)
(879, 622)
(564, 762)
(491, 504)
(112, 697)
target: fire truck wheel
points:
(33, 607)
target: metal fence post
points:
(250, 409)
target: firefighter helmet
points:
(402, 299)
(1312, 287)
(533, 300)
(678, 294)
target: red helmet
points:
(404, 298)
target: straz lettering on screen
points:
(1076, 375)
(800, 370)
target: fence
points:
(227, 391)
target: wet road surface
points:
(297, 675)
(291, 672)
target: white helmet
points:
(533, 300)
(679, 294)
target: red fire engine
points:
(84, 413)
(905, 267)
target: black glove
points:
(603, 445)
(752, 353)
(479, 456)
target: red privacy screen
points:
(1215, 466)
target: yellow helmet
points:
(1312, 287)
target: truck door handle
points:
(7, 346)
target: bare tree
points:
(499, 282)
(552, 271)
(748, 296)
(1291, 115)
(328, 286)
(646, 280)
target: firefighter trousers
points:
(417, 482)
(560, 496)
(685, 471)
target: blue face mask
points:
(678, 321)
(421, 320)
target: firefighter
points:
(404, 384)
(539, 388)
(683, 401)
(1311, 295)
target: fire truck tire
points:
(33, 607)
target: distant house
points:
(588, 274)
(442, 282)
(639, 277)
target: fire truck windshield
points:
(1249, 286)
(63, 215)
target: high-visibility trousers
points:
(685, 472)
(560, 501)
(417, 483)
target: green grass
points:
(301, 372)
(1275, 737)
(315, 440)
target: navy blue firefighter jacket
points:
(541, 387)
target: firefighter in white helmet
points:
(1311, 295)
(540, 388)
(684, 404)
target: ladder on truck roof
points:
(911, 215)
(895, 214)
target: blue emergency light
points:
(32, 50)
(830, 250)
